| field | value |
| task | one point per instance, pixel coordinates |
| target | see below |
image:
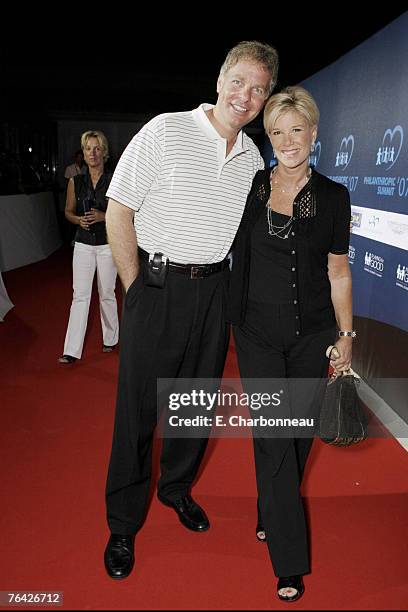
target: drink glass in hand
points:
(89, 203)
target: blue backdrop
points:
(363, 143)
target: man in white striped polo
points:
(176, 200)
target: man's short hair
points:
(257, 52)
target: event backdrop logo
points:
(315, 156)
(402, 277)
(344, 155)
(400, 229)
(374, 264)
(390, 148)
(355, 218)
(373, 221)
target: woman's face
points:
(291, 138)
(93, 153)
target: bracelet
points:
(352, 334)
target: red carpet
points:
(56, 425)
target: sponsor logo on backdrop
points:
(351, 254)
(345, 153)
(401, 229)
(356, 218)
(381, 225)
(374, 264)
(315, 156)
(373, 221)
(402, 276)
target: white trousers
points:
(86, 259)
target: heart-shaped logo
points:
(389, 137)
(315, 156)
(346, 149)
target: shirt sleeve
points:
(139, 166)
(341, 227)
(68, 172)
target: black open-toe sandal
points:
(291, 582)
(260, 531)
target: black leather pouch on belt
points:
(156, 270)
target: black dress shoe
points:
(190, 514)
(292, 582)
(119, 556)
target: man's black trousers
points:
(178, 331)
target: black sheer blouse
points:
(321, 226)
(270, 263)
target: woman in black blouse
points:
(290, 288)
(86, 207)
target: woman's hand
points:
(94, 216)
(340, 357)
(84, 223)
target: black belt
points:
(191, 270)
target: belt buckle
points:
(195, 272)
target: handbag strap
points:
(350, 371)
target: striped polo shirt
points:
(187, 196)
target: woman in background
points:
(86, 207)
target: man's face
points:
(242, 93)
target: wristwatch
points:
(352, 334)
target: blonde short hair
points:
(294, 98)
(100, 137)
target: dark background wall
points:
(113, 66)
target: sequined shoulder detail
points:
(304, 206)
(262, 194)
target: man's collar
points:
(201, 118)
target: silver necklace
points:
(280, 231)
(293, 189)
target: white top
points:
(187, 196)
